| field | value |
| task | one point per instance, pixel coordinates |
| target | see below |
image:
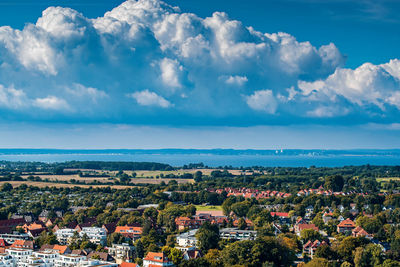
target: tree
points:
(240, 209)
(318, 262)
(326, 252)
(139, 249)
(213, 258)
(6, 187)
(310, 234)
(334, 183)
(173, 254)
(208, 236)
(198, 176)
(242, 225)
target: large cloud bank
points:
(146, 62)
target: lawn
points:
(207, 208)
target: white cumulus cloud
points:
(147, 98)
(262, 100)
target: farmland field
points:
(59, 185)
(387, 179)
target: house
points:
(69, 260)
(183, 223)
(100, 256)
(56, 248)
(128, 264)
(36, 232)
(11, 238)
(236, 234)
(192, 254)
(303, 226)
(122, 252)
(247, 221)
(48, 257)
(12, 223)
(24, 244)
(327, 216)
(64, 235)
(32, 226)
(346, 226)
(359, 231)
(310, 247)
(109, 227)
(96, 235)
(19, 254)
(153, 259)
(283, 217)
(131, 232)
(187, 239)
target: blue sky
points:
(264, 74)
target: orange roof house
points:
(27, 244)
(346, 226)
(156, 259)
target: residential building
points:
(346, 226)
(359, 231)
(122, 252)
(49, 257)
(302, 226)
(64, 235)
(11, 238)
(69, 260)
(131, 232)
(96, 235)
(19, 254)
(153, 259)
(187, 239)
(233, 233)
(88, 263)
(7, 260)
(25, 244)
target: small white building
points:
(64, 235)
(49, 257)
(69, 260)
(33, 261)
(19, 254)
(122, 252)
(96, 235)
(187, 239)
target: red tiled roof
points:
(346, 223)
(156, 257)
(280, 214)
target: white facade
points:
(69, 260)
(96, 235)
(19, 254)
(11, 238)
(64, 235)
(7, 261)
(89, 263)
(33, 261)
(49, 257)
(187, 239)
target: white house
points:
(187, 239)
(96, 235)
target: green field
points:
(387, 179)
(207, 208)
